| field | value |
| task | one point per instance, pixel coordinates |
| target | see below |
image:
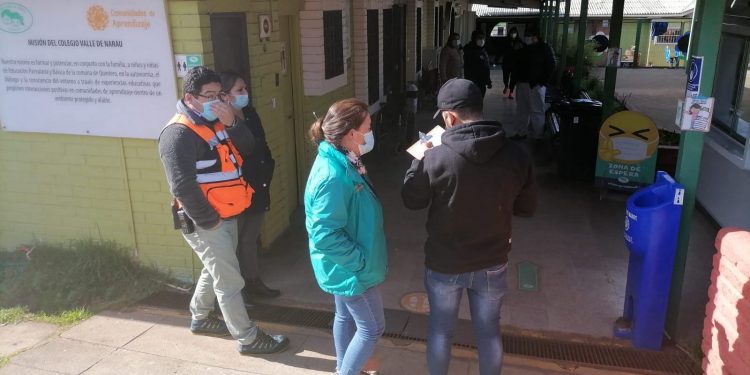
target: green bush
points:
(84, 274)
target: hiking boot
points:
(256, 288)
(209, 327)
(264, 344)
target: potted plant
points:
(669, 146)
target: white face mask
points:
(369, 143)
(630, 149)
(527, 40)
(480, 42)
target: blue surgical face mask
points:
(369, 143)
(207, 113)
(240, 101)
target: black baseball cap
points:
(458, 93)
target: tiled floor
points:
(575, 239)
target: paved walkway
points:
(148, 341)
(575, 240)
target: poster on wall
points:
(100, 67)
(697, 113)
(183, 63)
(626, 158)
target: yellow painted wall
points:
(61, 187)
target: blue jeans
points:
(357, 326)
(486, 289)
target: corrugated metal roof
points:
(600, 8)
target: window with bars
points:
(419, 40)
(333, 43)
(373, 56)
(441, 25)
(436, 31)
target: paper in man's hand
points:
(429, 140)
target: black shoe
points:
(256, 288)
(264, 344)
(247, 299)
(210, 327)
(518, 137)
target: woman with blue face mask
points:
(257, 170)
(344, 221)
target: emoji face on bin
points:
(628, 137)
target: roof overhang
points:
(536, 4)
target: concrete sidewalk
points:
(151, 341)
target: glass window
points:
(743, 119)
(732, 87)
(333, 43)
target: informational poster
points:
(628, 143)
(696, 114)
(100, 67)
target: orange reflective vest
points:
(220, 178)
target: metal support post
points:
(704, 37)
(610, 75)
(580, 47)
(556, 26)
(564, 44)
(637, 53)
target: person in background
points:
(203, 170)
(257, 170)
(477, 62)
(451, 62)
(344, 221)
(510, 56)
(473, 184)
(535, 67)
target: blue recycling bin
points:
(652, 223)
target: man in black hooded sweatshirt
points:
(473, 184)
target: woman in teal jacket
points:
(344, 221)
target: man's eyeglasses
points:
(212, 97)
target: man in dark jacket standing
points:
(473, 184)
(201, 164)
(535, 67)
(477, 62)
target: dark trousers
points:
(509, 80)
(248, 225)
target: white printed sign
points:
(83, 67)
(697, 113)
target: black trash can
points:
(577, 122)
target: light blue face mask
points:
(369, 143)
(208, 113)
(240, 101)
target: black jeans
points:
(509, 79)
